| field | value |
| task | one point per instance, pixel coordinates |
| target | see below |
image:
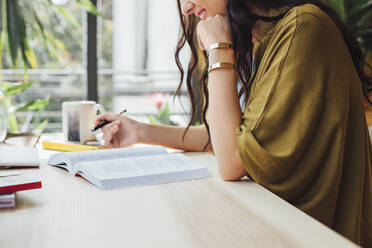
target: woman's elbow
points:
(231, 172)
(230, 178)
(231, 166)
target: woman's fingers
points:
(109, 134)
(107, 117)
(116, 141)
(108, 138)
(109, 126)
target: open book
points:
(129, 167)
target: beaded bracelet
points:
(220, 65)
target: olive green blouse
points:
(303, 134)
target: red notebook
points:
(14, 183)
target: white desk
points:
(70, 212)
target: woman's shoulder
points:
(304, 30)
(308, 8)
(308, 18)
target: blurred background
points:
(117, 52)
(122, 56)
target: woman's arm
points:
(123, 131)
(224, 113)
(170, 136)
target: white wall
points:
(163, 34)
(137, 23)
(129, 34)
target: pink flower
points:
(159, 98)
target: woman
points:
(301, 133)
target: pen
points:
(105, 122)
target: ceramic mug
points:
(78, 119)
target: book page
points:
(17, 183)
(19, 156)
(109, 154)
(139, 166)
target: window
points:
(143, 37)
(136, 44)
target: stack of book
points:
(8, 200)
(12, 183)
(13, 157)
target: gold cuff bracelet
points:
(219, 45)
(220, 66)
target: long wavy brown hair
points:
(242, 20)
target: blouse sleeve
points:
(288, 98)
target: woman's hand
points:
(120, 132)
(213, 30)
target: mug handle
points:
(98, 109)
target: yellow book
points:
(67, 147)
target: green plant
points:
(18, 19)
(10, 90)
(357, 15)
(163, 117)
